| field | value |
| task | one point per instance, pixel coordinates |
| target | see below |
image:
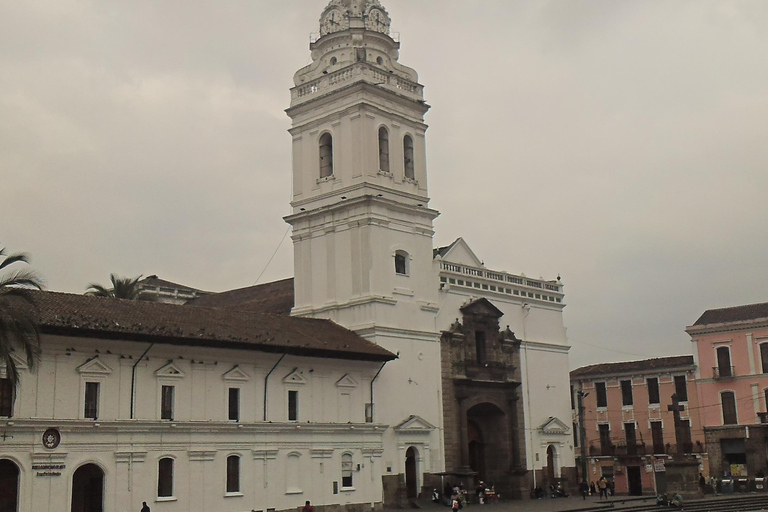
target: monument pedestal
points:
(683, 477)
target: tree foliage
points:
(122, 288)
(19, 329)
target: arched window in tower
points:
(401, 263)
(408, 157)
(383, 149)
(326, 155)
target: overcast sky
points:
(621, 144)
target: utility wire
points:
(273, 255)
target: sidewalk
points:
(548, 504)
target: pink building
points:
(731, 350)
(630, 433)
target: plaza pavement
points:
(573, 503)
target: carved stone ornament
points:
(51, 438)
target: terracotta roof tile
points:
(633, 367)
(87, 316)
(733, 314)
(275, 297)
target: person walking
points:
(307, 507)
(145, 507)
(602, 484)
(584, 488)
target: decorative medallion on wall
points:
(51, 438)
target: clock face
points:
(377, 20)
(333, 21)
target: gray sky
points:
(621, 144)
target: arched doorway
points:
(411, 472)
(88, 489)
(9, 486)
(476, 449)
(551, 464)
(488, 440)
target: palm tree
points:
(18, 322)
(122, 288)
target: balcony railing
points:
(722, 372)
(623, 450)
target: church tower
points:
(362, 227)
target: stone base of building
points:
(683, 477)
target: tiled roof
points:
(442, 251)
(633, 367)
(733, 314)
(99, 317)
(275, 298)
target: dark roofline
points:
(639, 367)
(211, 343)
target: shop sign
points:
(658, 465)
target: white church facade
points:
(382, 368)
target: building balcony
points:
(722, 372)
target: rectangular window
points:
(166, 402)
(724, 368)
(7, 395)
(234, 404)
(573, 405)
(681, 388)
(91, 400)
(657, 434)
(165, 478)
(626, 392)
(233, 474)
(653, 390)
(685, 430)
(480, 346)
(346, 470)
(728, 401)
(605, 439)
(293, 406)
(369, 413)
(602, 397)
(631, 438)
(764, 356)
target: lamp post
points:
(580, 395)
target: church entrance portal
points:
(411, 474)
(551, 461)
(488, 438)
(9, 486)
(88, 489)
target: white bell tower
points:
(362, 226)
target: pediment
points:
(170, 370)
(459, 252)
(415, 424)
(94, 367)
(236, 374)
(295, 377)
(21, 364)
(346, 382)
(482, 307)
(554, 426)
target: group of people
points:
(455, 496)
(603, 485)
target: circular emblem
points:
(51, 438)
